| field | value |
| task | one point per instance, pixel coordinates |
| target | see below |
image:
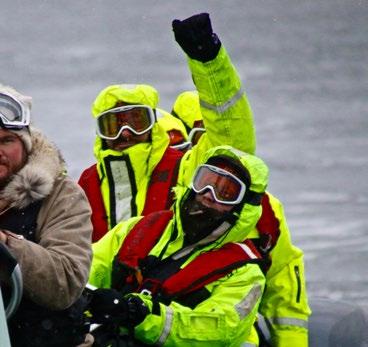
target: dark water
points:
(305, 68)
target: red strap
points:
(142, 238)
(163, 179)
(268, 225)
(159, 195)
(204, 269)
(210, 266)
(90, 182)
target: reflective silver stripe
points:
(227, 104)
(247, 250)
(167, 327)
(264, 326)
(122, 188)
(289, 321)
(247, 344)
(246, 305)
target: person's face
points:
(127, 139)
(12, 155)
(200, 215)
(206, 199)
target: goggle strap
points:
(253, 198)
(155, 115)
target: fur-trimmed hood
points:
(36, 179)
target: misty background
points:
(304, 66)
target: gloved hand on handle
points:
(109, 305)
(196, 38)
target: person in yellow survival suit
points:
(284, 304)
(184, 277)
(186, 108)
(135, 165)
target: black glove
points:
(196, 38)
(108, 305)
(137, 311)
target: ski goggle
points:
(225, 187)
(13, 114)
(138, 119)
(195, 134)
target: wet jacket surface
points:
(285, 302)
(224, 318)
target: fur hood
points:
(36, 179)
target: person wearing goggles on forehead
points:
(136, 167)
(45, 224)
(13, 113)
(287, 318)
(207, 282)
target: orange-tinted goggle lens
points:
(138, 119)
(225, 187)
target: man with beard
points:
(45, 224)
(184, 277)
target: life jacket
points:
(91, 184)
(134, 270)
(268, 227)
(159, 194)
(34, 325)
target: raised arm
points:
(225, 109)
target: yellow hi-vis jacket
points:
(226, 316)
(284, 304)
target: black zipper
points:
(299, 284)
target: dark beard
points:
(4, 182)
(198, 221)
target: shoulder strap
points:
(141, 239)
(209, 267)
(90, 182)
(268, 226)
(135, 248)
(163, 179)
